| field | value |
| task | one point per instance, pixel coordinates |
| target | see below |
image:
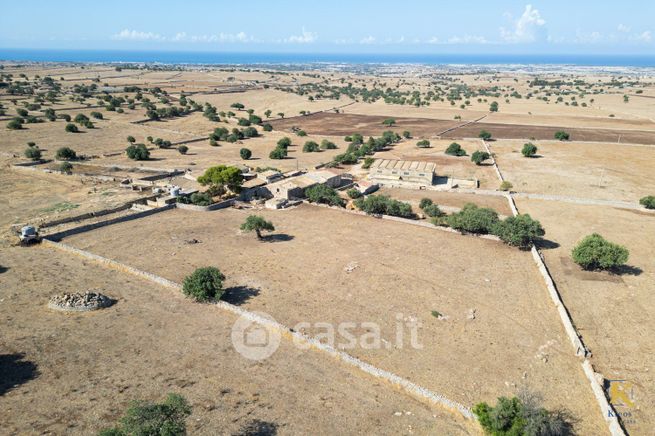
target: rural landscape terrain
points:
(486, 235)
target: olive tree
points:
(257, 223)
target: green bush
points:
(222, 175)
(522, 416)
(310, 147)
(383, 205)
(267, 127)
(354, 193)
(14, 125)
(506, 186)
(529, 149)
(455, 149)
(367, 163)
(81, 118)
(33, 153)
(137, 152)
(324, 194)
(432, 210)
(131, 139)
(153, 419)
(278, 153)
(71, 128)
(97, 115)
(648, 202)
(301, 133)
(423, 143)
(66, 167)
(284, 142)
(473, 219)
(204, 284)
(484, 135)
(595, 252)
(562, 135)
(245, 153)
(182, 149)
(519, 231)
(328, 145)
(65, 153)
(479, 156)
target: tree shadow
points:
(15, 371)
(258, 428)
(627, 270)
(3, 269)
(278, 237)
(546, 244)
(238, 295)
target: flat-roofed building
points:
(389, 171)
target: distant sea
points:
(192, 57)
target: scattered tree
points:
(310, 146)
(479, 156)
(71, 128)
(484, 135)
(455, 149)
(257, 223)
(506, 185)
(529, 149)
(137, 152)
(595, 252)
(473, 219)
(65, 153)
(519, 231)
(384, 205)
(493, 107)
(223, 176)
(15, 125)
(324, 194)
(182, 149)
(389, 122)
(33, 153)
(423, 143)
(561, 135)
(66, 167)
(245, 153)
(131, 139)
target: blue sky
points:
(365, 26)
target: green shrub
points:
(131, 139)
(383, 205)
(310, 146)
(479, 156)
(245, 153)
(473, 219)
(301, 133)
(66, 167)
(284, 142)
(182, 149)
(595, 252)
(33, 153)
(519, 231)
(354, 193)
(529, 149)
(407, 134)
(648, 202)
(267, 127)
(328, 145)
(562, 135)
(455, 149)
(484, 135)
(221, 175)
(425, 202)
(367, 163)
(14, 125)
(97, 115)
(153, 419)
(204, 284)
(423, 143)
(506, 186)
(522, 416)
(65, 153)
(137, 152)
(324, 194)
(432, 210)
(278, 153)
(71, 128)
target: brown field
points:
(591, 170)
(77, 373)
(499, 330)
(377, 290)
(612, 311)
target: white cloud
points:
(135, 35)
(623, 28)
(528, 28)
(305, 38)
(587, 38)
(433, 40)
(646, 36)
(467, 39)
(368, 40)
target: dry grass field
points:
(462, 358)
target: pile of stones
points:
(80, 302)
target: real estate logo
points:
(622, 397)
(253, 340)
